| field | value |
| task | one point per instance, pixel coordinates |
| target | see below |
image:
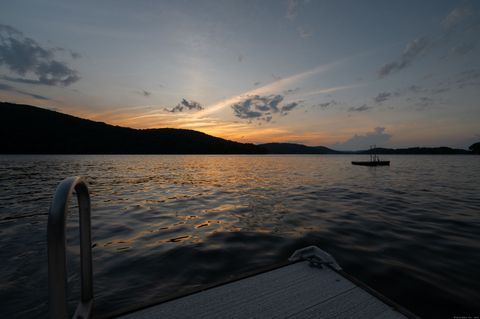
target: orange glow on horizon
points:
(235, 131)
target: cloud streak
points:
(468, 78)
(382, 97)
(9, 88)
(361, 108)
(331, 89)
(275, 87)
(412, 51)
(326, 105)
(464, 79)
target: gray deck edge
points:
(161, 300)
(342, 273)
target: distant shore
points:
(32, 130)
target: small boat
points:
(374, 160)
(371, 163)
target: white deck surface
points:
(293, 291)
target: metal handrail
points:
(57, 262)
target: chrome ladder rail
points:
(56, 240)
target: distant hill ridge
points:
(26, 129)
(415, 150)
(292, 148)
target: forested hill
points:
(26, 129)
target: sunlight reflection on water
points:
(164, 224)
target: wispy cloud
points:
(291, 91)
(9, 88)
(326, 105)
(409, 90)
(304, 32)
(413, 92)
(30, 62)
(461, 19)
(75, 55)
(415, 89)
(331, 89)
(463, 48)
(413, 50)
(292, 9)
(440, 90)
(382, 97)
(457, 17)
(424, 101)
(185, 105)
(464, 79)
(144, 93)
(276, 77)
(468, 78)
(361, 108)
(288, 107)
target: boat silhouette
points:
(374, 160)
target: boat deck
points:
(297, 290)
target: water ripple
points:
(167, 224)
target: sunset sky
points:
(344, 74)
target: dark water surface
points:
(167, 224)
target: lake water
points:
(167, 224)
